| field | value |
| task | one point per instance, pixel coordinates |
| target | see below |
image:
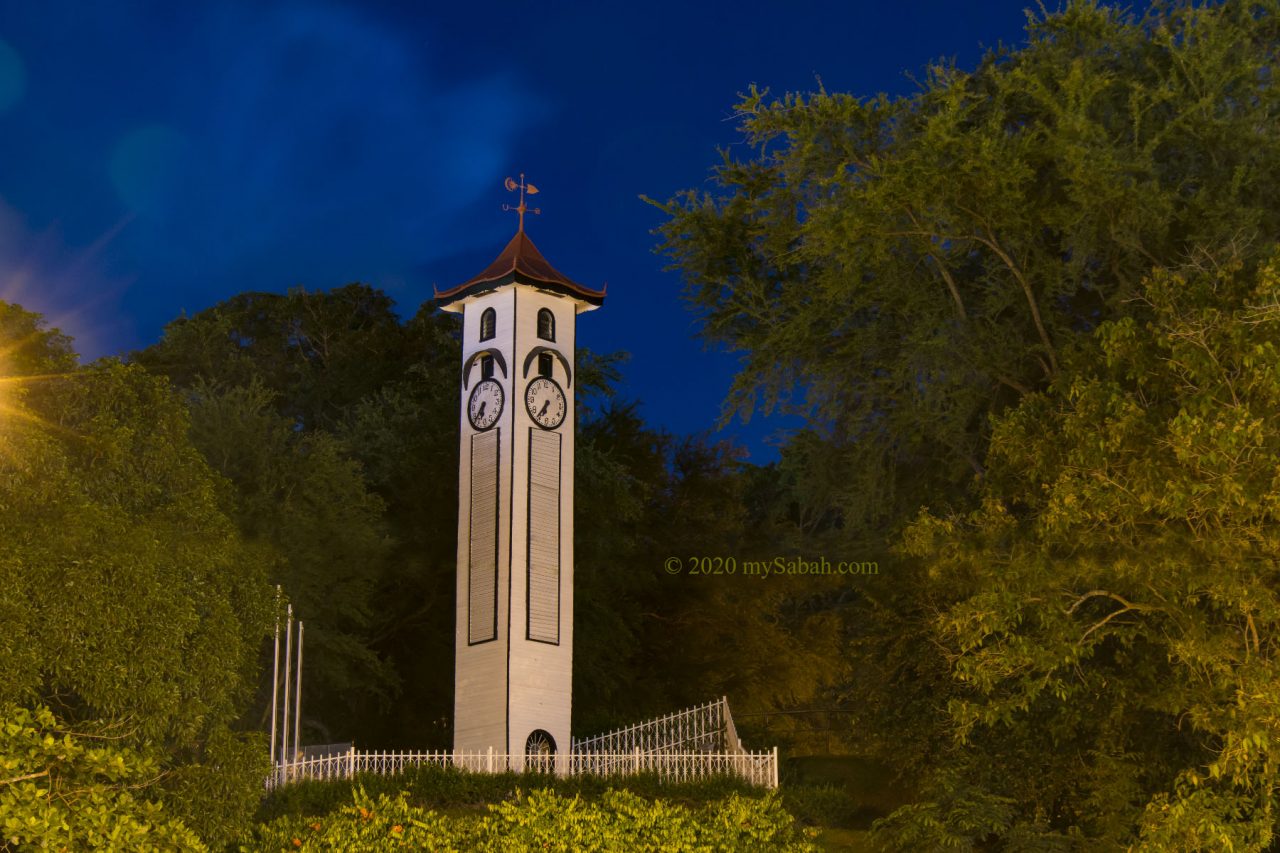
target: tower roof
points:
(521, 263)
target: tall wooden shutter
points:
(544, 536)
(482, 573)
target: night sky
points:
(160, 157)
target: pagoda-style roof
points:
(520, 263)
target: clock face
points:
(485, 404)
(545, 401)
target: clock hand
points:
(543, 410)
(483, 403)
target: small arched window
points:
(546, 324)
(488, 324)
(540, 752)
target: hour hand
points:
(543, 410)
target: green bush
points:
(447, 787)
(543, 820)
(57, 793)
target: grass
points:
(853, 840)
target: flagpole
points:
(297, 712)
(288, 656)
(275, 682)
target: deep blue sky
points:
(157, 157)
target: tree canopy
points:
(329, 416)
(129, 600)
(1032, 301)
(1028, 313)
(899, 269)
(1115, 591)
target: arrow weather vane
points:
(512, 186)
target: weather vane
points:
(512, 186)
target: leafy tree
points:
(58, 791)
(320, 352)
(322, 409)
(301, 496)
(647, 642)
(902, 270)
(128, 598)
(898, 269)
(1113, 640)
(405, 436)
(768, 643)
(30, 349)
(619, 470)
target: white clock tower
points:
(514, 636)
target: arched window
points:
(546, 324)
(540, 752)
(488, 322)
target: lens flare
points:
(15, 384)
(67, 283)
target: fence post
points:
(351, 761)
(775, 767)
(637, 760)
(490, 764)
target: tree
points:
(902, 270)
(1114, 639)
(899, 269)
(127, 596)
(320, 352)
(305, 501)
(57, 792)
(619, 471)
(30, 349)
(405, 436)
(325, 411)
(647, 641)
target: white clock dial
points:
(545, 401)
(485, 404)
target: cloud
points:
(13, 77)
(146, 169)
(317, 134)
(249, 146)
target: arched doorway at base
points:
(540, 752)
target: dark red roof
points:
(521, 262)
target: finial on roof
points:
(520, 263)
(512, 186)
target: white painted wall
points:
(507, 688)
(480, 671)
(541, 675)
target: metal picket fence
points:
(757, 768)
(691, 744)
(705, 728)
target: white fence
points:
(706, 728)
(757, 768)
(691, 744)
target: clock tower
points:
(514, 630)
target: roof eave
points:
(458, 296)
